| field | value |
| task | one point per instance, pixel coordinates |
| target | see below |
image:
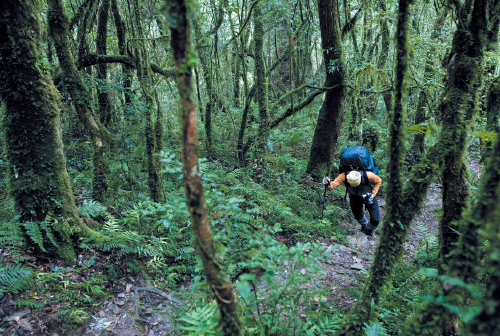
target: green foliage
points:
(375, 329)
(15, 278)
(28, 303)
(74, 316)
(201, 320)
(91, 208)
(327, 325)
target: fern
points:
(326, 326)
(111, 225)
(28, 303)
(200, 320)
(48, 228)
(33, 231)
(12, 239)
(375, 329)
(426, 236)
(15, 278)
(91, 208)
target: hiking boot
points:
(369, 233)
(363, 229)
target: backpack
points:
(357, 158)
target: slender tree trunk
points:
(58, 22)
(223, 293)
(145, 77)
(384, 54)
(331, 114)
(126, 69)
(260, 86)
(393, 229)
(105, 110)
(83, 48)
(204, 60)
(419, 140)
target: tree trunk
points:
(260, 87)
(331, 114)
(486, 214)
(126, 69)
(58, 22)
(211, 99)
(419, 140)
(223, 293)
(38, 181)
(145, 77)
(105, 110)
(432, 317)
(393, 232)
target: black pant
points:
(357, 209)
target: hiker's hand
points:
(326, 181)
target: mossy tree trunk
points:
(493, 106)
(464, 78)
(261, 94)
(145, 77)
(211, 99)
(393, 232)
(126, 69)
(184, 60)
(83, 47)
(38, 181)
(384, 54)
(331, 114)
(486, 215)
(418, 147)
(81, 97)
(105, 110)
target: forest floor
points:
(137, 308)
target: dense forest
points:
(163, 162)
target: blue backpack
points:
(358, 158)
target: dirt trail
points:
(131, 312)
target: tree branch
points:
(93, 59)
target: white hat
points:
(354, 178)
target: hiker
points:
(362, 187)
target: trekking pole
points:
(323, 207)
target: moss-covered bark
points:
(464, 78)
(261, 94)
(145, 77)
(211, 99)
(331, 114)
(38, 181)
(394, 230)
(105, 109)
(184, 59)
(417, 148)
(486, 215)
(121, 36)
(58, 22)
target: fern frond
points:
(15, 278)
(375, 329)
(28, 303)
(200, 321)
(91, 208)
(426, 235)
(12, 239)
(33, 231)
(111, 225)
